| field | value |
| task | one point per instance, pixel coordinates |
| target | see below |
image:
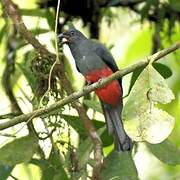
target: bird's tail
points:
(122, 142)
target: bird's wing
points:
(105, 55)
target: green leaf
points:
(84, 150)
(143, 121)
(77, 124)
(46, 168)
(18, 151)
(33, 12)
(38, 31)
(119, 165)
(3, 31)
(164, 70)
(165, 152)
(56, 162)
(51, 170)
(93, 105)
(175, 5)
(5, 171)
(50, 19)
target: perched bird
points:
(95, 62)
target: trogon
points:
(95, 62)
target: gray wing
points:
(106, 56)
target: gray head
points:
(72, 36)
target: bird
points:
(95, 62)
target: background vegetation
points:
(56, 145)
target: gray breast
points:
(90, 62)
(86, 59)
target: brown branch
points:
(88, 89)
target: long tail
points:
(115, 127)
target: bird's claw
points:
(88, 83)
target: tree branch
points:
(88, 89)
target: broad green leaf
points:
(164, 70)
(5, 171)
(18, 151)
(120, 166)
(77, 124)
(93, 105)
(143, 120)
(166, 152)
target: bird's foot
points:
(88, 83)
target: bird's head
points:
(71, 36)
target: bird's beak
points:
(63, 36)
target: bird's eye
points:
(72, 33)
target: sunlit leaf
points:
(119, 165)
(18, 151)
(3, 31)
(164, 70)
(33, 12)
(166, 152)
(143, 120)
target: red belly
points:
(110, 93)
